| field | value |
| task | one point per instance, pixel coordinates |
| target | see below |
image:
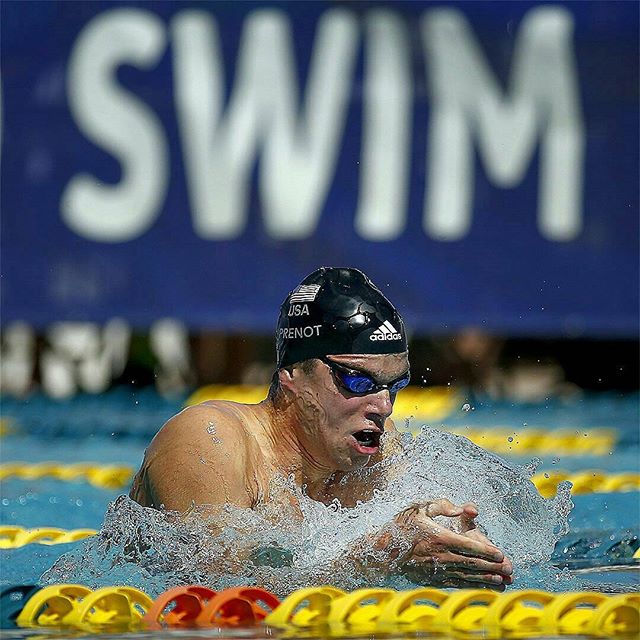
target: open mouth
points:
(367, 441)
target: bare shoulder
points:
(199, 456)
(205, 424)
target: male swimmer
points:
(341, 359)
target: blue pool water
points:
(116, 427)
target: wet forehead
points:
(382, 367)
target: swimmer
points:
(342, 357)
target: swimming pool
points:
(586, 432)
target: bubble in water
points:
(466, 407)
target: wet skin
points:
(222, 452)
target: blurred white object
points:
(17, 361)
(169, 340)
(82, 355)
(531, 382)
(101, 366)
(57, 375)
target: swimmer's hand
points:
(441, 557)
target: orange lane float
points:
(238, 606)
(178, 607)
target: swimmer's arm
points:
(190, 463)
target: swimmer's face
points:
(341, 430)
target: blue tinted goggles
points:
(360, 383)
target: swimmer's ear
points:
(285, 376)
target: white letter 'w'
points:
(298, 154)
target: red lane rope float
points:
(188, 603)
(238, 606)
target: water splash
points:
(330, 544)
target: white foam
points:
(155, 550)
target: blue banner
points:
(479, 160)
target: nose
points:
(382, 401)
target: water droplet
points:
(466, 407)
(510, 438)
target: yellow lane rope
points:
(12, 537)
(6, 427)
(560, 442)
(119, 476)
(326, 611)
(588, 481)
(436, 403)
(432, 403)
(109, 476)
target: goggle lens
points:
(360, 383)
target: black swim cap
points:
(336, 311)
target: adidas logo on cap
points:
(385, 331)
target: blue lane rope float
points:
(12, 601)
(331, 612)
(593, 548)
